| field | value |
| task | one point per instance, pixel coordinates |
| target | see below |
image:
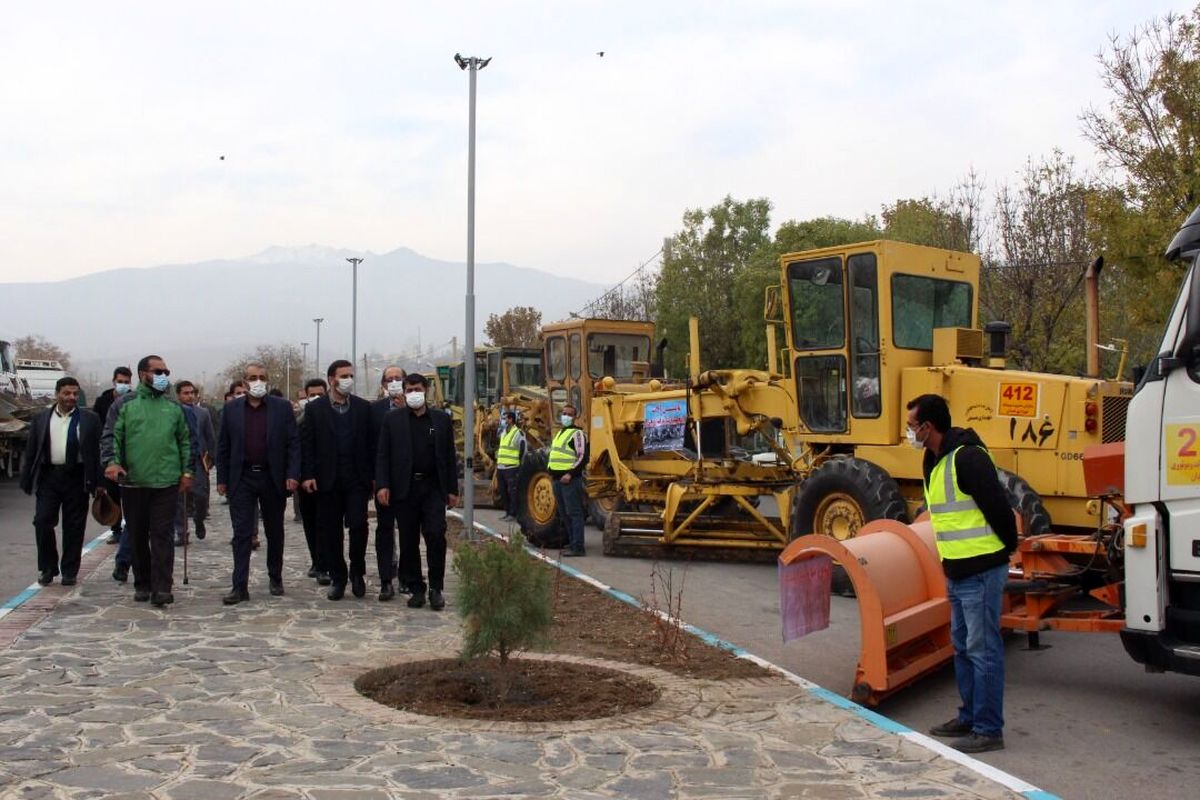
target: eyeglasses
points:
(256, 377)
(161, 371)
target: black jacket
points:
(318, 443)
(379, 410)
(393, 461)
(976, 475)
(104, 403)
(37, 449)
(283, 443)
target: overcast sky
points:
(346, 124)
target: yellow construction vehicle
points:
(821, 430)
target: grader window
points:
(921, 304)
(614, 353)
(818, 313)
(864, 342)
(524, 371)
(822, 382)
(576, 356)
(556, 357)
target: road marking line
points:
(873, 717)
(16, 601)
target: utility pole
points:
(317, 358)
(354, 312)
(304, 357)
(471, 65)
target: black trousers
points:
(306, 503)
(506, 479)
(422, 514)
(343, 506)
(255, 491)
(385, 542)
(60, 489)
(150, 520)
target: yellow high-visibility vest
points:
(507, 454)
(960, 527)
(562, 451)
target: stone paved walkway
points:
(104, 697)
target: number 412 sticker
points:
(1017, 400)
(1183, 454)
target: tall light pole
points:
(304, 357)
(317, 357)
(354, 312)
(472, 65)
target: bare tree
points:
(520, 326)
(284, 365)
(38, 346)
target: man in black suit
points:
(337, 462)
(416, 474)
(306, 502)
(62, 464)
(122, 380)
(258, 463)
(392, 389)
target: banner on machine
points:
(663, 426)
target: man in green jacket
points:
(152, 458)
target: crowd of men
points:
(146, 449)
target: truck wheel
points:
(1026, 501)
(601, 508)
(841, 496)
(537, 512)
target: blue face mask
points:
(121, 388)
(161, 383)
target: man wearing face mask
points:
(416, 474)
(149, 449)
(306, 502)
(203, 444)
(975, 531)
(338, 463)
(258, 463)
(509, 453)
(392, 388)
(568, 456)
(122, 380)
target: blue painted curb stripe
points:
(16, 601)
(878, 720)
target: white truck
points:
(1162, 486)
(41, 375)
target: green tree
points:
(284, 365)
(1148, 135)
(700, 268)
(520, 326)
(38, 346)
(504, 598)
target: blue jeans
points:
(568, 498)
(979, 648)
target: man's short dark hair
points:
(312, 383)
(144, 364)
(335, 366)
(416, 379)
(236, 383)
(276, 392)
(932, 408)
(65, 380)
(511, 416)
(122, 371)
(179, 387)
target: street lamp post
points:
(304, 357)
(354, 311)
(317, 357)
(472, 65)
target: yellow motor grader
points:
(866, 327)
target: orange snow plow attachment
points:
(902, 601)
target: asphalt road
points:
(1082, 719)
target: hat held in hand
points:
(105, 510)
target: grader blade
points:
(705, 538)
(902, 603)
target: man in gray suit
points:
(204, 446)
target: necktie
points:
(73, 439)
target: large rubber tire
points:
(537, 512)
(1027, 502)
(841, 496)
(601, 508)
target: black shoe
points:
(976, 743)
(313, 572)
(140, 596)
(68, 580)
(201, 531)
(235, 597)
(323, 579)
(358, 585)
(952, 729)
(337, 591)
(417, 600)
(46, 577)
(276, 586)
(436, 601)
(161, 599)
(120, 574)
(570, 553)
(386, 592)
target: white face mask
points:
(303, 402)
(345, 385)
(122, 388)
(258, 389)
(567, 420)
(415, 399)
(395, 388)
(913, 441)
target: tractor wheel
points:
(841, 496)
(537, 512)
(601, 508)
(1027, 503)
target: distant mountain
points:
(201, 316)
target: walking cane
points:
(186, 538)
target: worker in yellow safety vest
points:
(509, 454)
(976, 531)
(568, 456)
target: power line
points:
(617, 288)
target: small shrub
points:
(504, 596)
